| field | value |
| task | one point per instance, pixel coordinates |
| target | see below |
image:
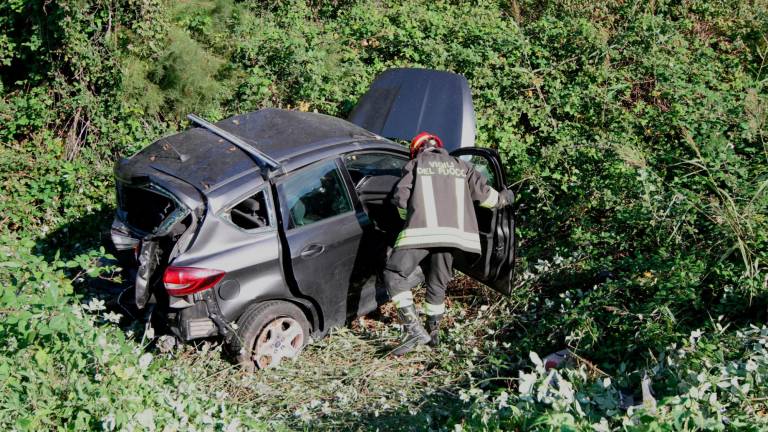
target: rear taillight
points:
(180, 281)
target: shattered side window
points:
(314, 194)
(250, 213)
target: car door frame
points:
(372, 293)
(328, 316)
(497, 266)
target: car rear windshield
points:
(143, 209)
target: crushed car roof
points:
(204, 159)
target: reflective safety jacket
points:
(435, 197)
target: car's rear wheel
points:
(270, 332)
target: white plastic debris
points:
(649, 402)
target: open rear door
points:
(495, 266)
(401, 103)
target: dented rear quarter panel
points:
(250, 258)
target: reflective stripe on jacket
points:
(435, 195)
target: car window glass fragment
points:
(251, 213)
(314, 194)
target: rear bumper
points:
(193, 322)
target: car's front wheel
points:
(270, 332)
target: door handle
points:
(312, 250)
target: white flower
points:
(464, 396)
(11, 344)
(95, 305)
(458, 428)
(112, 317)
(326, 408)
(606, 382)
(502, 400)
(145, 360)
(541, 266)
(695, 335)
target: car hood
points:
(401, 103)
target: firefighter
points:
(435, 198)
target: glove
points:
(506, 198)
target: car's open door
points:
(495, 266)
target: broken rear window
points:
(144, 209)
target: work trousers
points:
(436, 264)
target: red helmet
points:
(423, 138)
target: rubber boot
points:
(414, 333)
(433, 328)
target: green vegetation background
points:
(634, 132)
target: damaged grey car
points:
(272, 227)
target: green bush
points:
(700, 395)
(63, 364)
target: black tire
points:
(275, 325)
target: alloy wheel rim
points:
(281, 338)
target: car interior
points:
(375, 176)
(251, 213)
